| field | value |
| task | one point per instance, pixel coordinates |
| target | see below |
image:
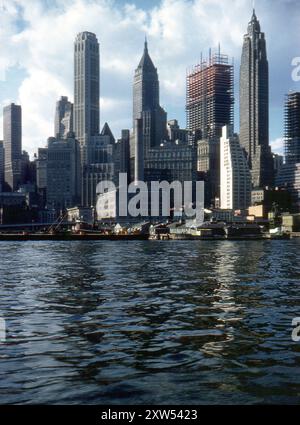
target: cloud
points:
(38, 36)
(277, 146)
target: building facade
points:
(86, 90)
(234, 172)
(175, 133)
(63, 118)
(210, 97)
(101, 165)
(209, 107)
(41, 173)
(122, 155)
(171, 161)
(12, 140)
(292, 128)
(289, 174)
(1, 165)
(289, 178)
(149, 119)
(63, 173)
(254, 105)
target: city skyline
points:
(38, 99)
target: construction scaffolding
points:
(292, 128)
(210, 95)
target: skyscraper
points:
(292, 127)
(235, 174)
(289, 174)
(146, 107)
(210, 99)
(63, 173)
(12, 140)
(1, 165)
(63, 118)
(254, 105)
(145, 86)
(209, 107)
(86, 90)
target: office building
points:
(1, 165)
(289, 175)
(41, 174)
(254, 105)
(292, 128)
(209, 107)
(171, 161)
(278, 161)
(63, 173)
(63, 118)
(210, 98)
(235, 174)
(151, 130)
(86, 90)
(12, 141)
(101, 165)
(175, 133)
(122, 155)
(289, 178)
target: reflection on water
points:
(150, 322)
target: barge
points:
(69, 237)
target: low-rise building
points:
(271, 199)
(84, 214)
(13, 208)
(291, 222)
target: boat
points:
(69, 236)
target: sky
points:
(36, 53)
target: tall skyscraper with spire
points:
(86, 90)
(254, 105)
(149, 118)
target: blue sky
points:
(36, 59)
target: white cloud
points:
(178, 30)
(277, 146)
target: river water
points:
(182, 322)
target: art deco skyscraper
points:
(146, 107)
(145, 86)
(12, 140)
(86, 90)
(254, 105)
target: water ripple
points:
(150, 322)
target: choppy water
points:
(150, 322)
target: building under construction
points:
(209, 107)
(292, 128)
(210, 96)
